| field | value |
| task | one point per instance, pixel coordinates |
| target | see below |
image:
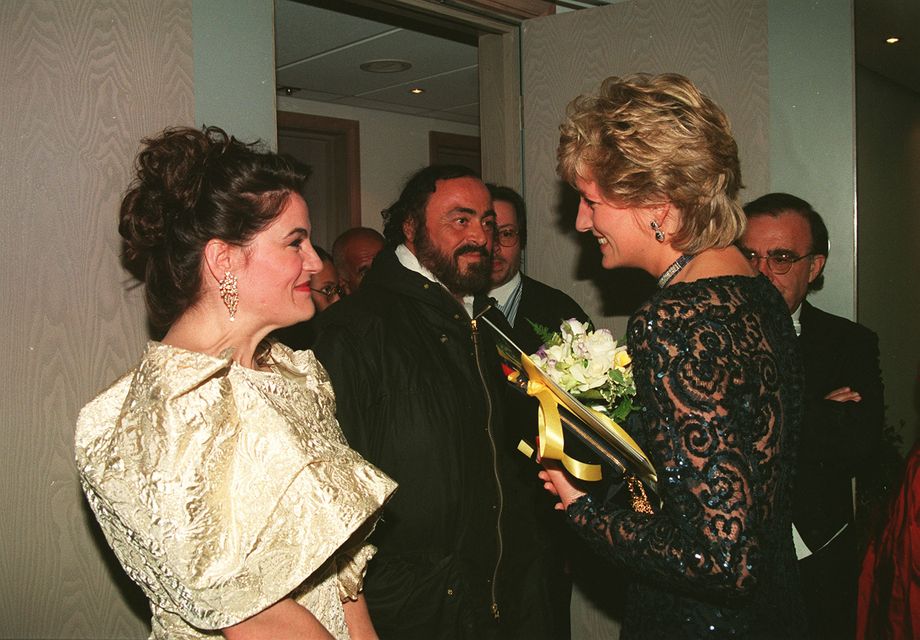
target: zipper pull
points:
(494, 608)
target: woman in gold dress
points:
(215, 467)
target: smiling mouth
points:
(601, 240)
(305, 287)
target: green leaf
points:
(548, 337)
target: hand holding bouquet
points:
(593, 368)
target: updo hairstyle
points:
(648, 139)
(190, 187)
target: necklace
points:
(674, 269)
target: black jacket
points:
(419, 398)
(543, 305)
(838, 440)
(836, 437)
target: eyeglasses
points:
(332, 290)
(779, 263)
(508, 236)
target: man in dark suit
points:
(521, 299)
(844, 407)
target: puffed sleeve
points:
(222, 489)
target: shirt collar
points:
(502, 293)
(796, 320)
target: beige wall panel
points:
(720, 44)
(83, 81)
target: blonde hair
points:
(650, 139)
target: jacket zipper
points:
(498, 483)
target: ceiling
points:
(319, 53)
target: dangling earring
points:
(229, 293)
(659, 234)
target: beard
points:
(446, 268)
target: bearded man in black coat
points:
(419, 394)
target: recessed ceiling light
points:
(893, 40)
(416, 90)
(386, 66)
(288, 91)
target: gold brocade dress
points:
(223, 489)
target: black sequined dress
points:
(719, 380)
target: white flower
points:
(582, 362)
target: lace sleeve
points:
(707, 380)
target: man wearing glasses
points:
(521, 298)
(844, 408)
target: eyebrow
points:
(771, 252)
(297, 231)
(470, 212)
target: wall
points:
(722, 46)
(812, 128)
(83, 81)
(786, 87)
(393, 145)
(888, 179)
(234, 48)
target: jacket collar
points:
(390, 275)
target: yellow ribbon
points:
(551, 435)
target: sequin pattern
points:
(719, 380)
(222, 489)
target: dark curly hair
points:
(414, 198)
(192, 186)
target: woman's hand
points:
(559, 483)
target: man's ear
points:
(816, 267)
(408, 228)
(218, 257)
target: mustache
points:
(471, 248)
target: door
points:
(330, 147)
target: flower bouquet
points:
(590, 365)
(583, 383)
(592, 368)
